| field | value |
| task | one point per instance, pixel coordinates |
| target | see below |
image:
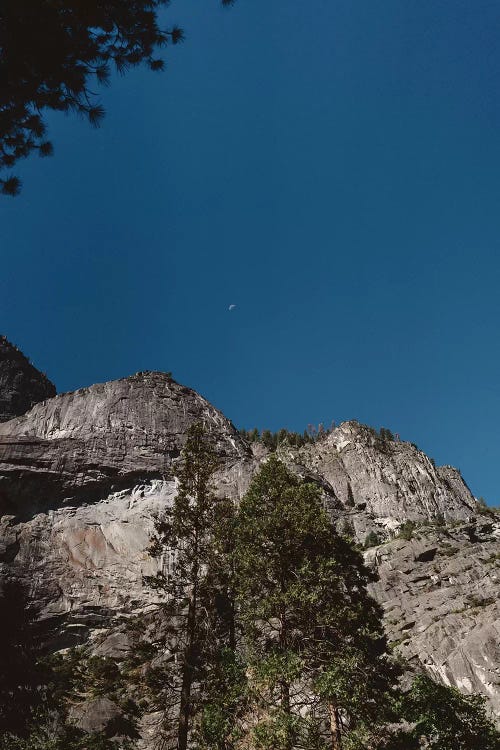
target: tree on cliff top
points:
(52, 53)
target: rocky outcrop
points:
(21, 384)
(83, 475)
(100, 715)
(81, 446)
(439, 591)
(381, 483)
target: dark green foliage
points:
(445, 719)
(103, 675)
(381, 440)
(218, 725)
(65, 675)
(78, 673)
(372, 539)
(386, 434)
(407, 529)
(488, 510)
(253, 435)
(48, 732)
(266, 636)
(431, 716)
(269, 440)
(273, 440)
(54, 53)
(313, 636)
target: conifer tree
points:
(313, 636)
(197, 615)
(53, 53)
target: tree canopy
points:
(313, 637)
(52, 55)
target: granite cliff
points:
(83, 474)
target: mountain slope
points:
(83, 475)
(85, 444)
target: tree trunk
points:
(284, 685)
(286, 708)
(335, 726)
(232, 624)
(285, 697)
(187, 678)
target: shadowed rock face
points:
(21, 384)
(83, 475)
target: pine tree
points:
(198, 615)
(53, 54)
(268, 440)
(313, 636)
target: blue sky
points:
(330, 167)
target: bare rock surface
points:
(21, 384)
(82, 445)
(440, 591)
(84, 474)
(100, 715)
(383, 483)
(82, 478)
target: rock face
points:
(439, 591)
(383, 483)
(82, 477)
(83, 474)
(111, 436)
(97, 715)
(21, 384)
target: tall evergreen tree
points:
(313, 636)
(198, 613)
